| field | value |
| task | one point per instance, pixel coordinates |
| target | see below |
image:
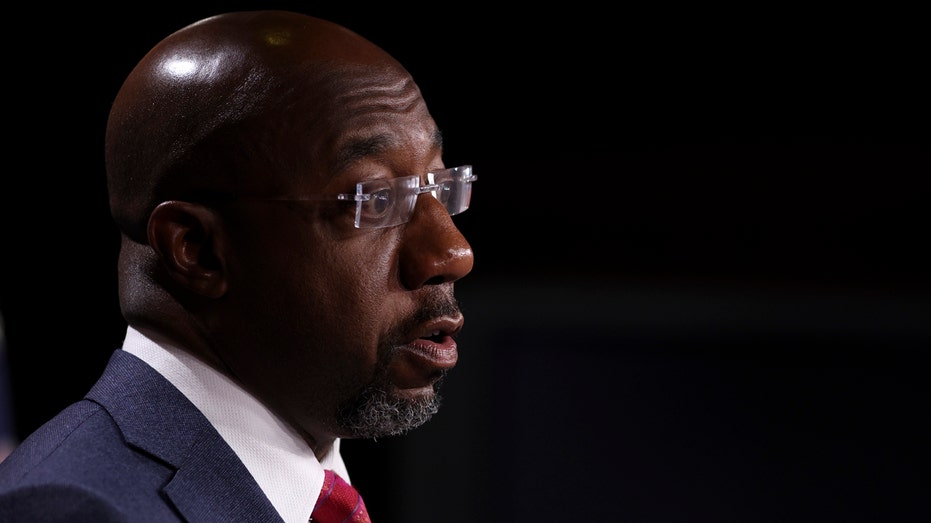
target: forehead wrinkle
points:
(369, 100)
(385, 91)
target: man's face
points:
(346, 332)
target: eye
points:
(444, 191)
(379, 203)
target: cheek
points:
(355, 279)
(326, 293)
(318, 306)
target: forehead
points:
(369, 112)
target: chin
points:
(378, 413)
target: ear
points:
(188, 242)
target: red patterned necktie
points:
(339, 502)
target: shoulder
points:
(53, 443)
(79, 460)
(79, 444)
(55, 502)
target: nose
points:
(433, 251)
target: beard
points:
(377, 412)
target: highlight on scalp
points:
(204, 112)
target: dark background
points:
(702, 287)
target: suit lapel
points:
(211, 483)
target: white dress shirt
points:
(281, 462)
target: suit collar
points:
(211, 483)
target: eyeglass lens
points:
(392, 202)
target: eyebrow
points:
(362, 148)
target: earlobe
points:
(186, 239)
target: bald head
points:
(231, 149)
(218, 108)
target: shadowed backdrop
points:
(701, 288)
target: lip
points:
(441, 354)
(431, 352)
(446, 326)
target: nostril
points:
(436, 280)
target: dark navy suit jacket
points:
(134, 450)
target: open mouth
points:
(420, 363)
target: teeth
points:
(432, 335)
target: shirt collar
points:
(282, 463)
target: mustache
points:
(436, 305)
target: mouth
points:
(431, 352)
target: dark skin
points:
(308, 313)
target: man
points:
(286, 271)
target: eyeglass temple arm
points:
(359, 196)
